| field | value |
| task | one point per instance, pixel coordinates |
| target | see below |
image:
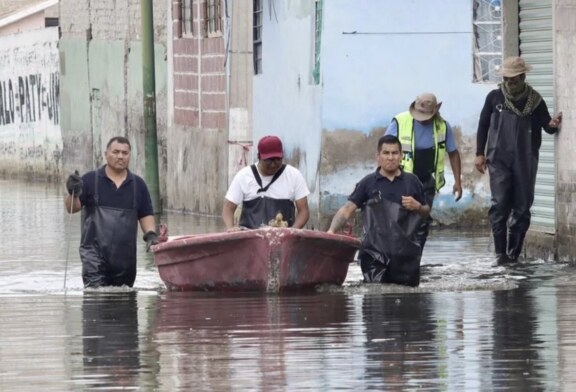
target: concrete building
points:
(557, 241)
(200, 91)
(101, 80)
(327, 77)
(30, 137)
(334, 73)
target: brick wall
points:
(109, 19)
(8, 6)
(74, 18)
(199, 71)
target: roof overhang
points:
(26, 12)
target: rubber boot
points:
(500, 244)
(515, 244)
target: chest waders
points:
(261, 210)
(426, 164)
(391, 250)
(108, 243)
(512, 165)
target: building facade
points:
(325, 76)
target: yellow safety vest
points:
(406, 135)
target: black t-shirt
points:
(540, 118)
(406, 184)
(132, 193)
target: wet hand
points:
(410, 203)
(457, 191)
(480, 163)
(556, 121)
(162, 232)
(74, 184)
(151, 238)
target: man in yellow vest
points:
(425, 138)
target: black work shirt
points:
(125, 197)
(406, 184)
(540, 118)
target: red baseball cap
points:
(270, 147)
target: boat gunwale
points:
(277, 232)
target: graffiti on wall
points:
(30, 98)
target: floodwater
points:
(470, 326)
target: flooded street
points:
(470, 326)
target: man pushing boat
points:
(394, 206)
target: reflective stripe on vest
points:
(405, 123)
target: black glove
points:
(74, 184)
(151, 238)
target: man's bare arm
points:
(72, 205)
(344, 213)
(302, 213)
(456, 165)
(228, 214)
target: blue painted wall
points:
(401, 48)
(376, 57)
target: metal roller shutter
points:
(535, 17)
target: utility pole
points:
(149, 92)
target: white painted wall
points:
(286, 103)
(30, 137)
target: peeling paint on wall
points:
(30, 136)
(349, 155)
(371, 69)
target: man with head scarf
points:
(426, 138)
(508, 142)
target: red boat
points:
(269, 259)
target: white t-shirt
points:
(290, 185)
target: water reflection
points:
(110, 339)
(401, 347)
(470, 326)
(515, 357)
(251, 342)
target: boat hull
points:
(267, 259)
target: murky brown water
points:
(470, 326)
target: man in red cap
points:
(508, 143)
(266, 189)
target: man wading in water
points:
(113, 201)
(508, 141)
